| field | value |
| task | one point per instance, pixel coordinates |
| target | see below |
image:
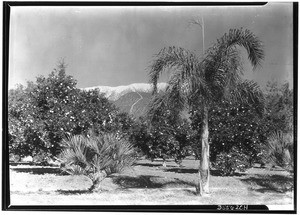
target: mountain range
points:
(133, 98)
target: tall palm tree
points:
(197, 83)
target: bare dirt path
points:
(141, 97)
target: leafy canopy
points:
(44, 112)
(202, 81)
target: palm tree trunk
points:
(203, 171)
(96, 180)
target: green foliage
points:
(123, 123)
(14, 158)
(43, 113)
(254, 134)
(280, 150)
(279, 123)
(140, 137)
(228, 162)
(168, 133)
(161, 134)
(280, 108)
(95, 155)
(23, 126)
(92, 110)
(53, 97)
(198, 84)
(238, 126)
(169, 142)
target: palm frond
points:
(179, 60)
(74, 170)
(186, 83)
(223, 64)
(196, 82)
(248, 92)
(157, 104)
(280, 149)
(177, 92)
(245, 39)
(89, 155)
(76, 151)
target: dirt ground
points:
(149, 183)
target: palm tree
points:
(96, 156)
(197, 83)
(280, 149)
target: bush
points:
(228, 163)
(279, 150)
(96, 156)
(280, 107)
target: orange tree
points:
(237, 136)
(43, 113)
(159, 138)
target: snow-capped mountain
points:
(114, 93)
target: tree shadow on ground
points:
(142, 181)
(72, 192)
(182, 170)
(149, 164)
(213, 172)
(191, 192)
(148, 181)
(40, 171)
(270, 183)
(154, 165)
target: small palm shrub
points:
(280, 150)
(228, 163)
(96, 156)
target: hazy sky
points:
(115, 45)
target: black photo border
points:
(6, 204)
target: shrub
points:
(279, 150)
(96, 156)
(280, 107)
(228, 163)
